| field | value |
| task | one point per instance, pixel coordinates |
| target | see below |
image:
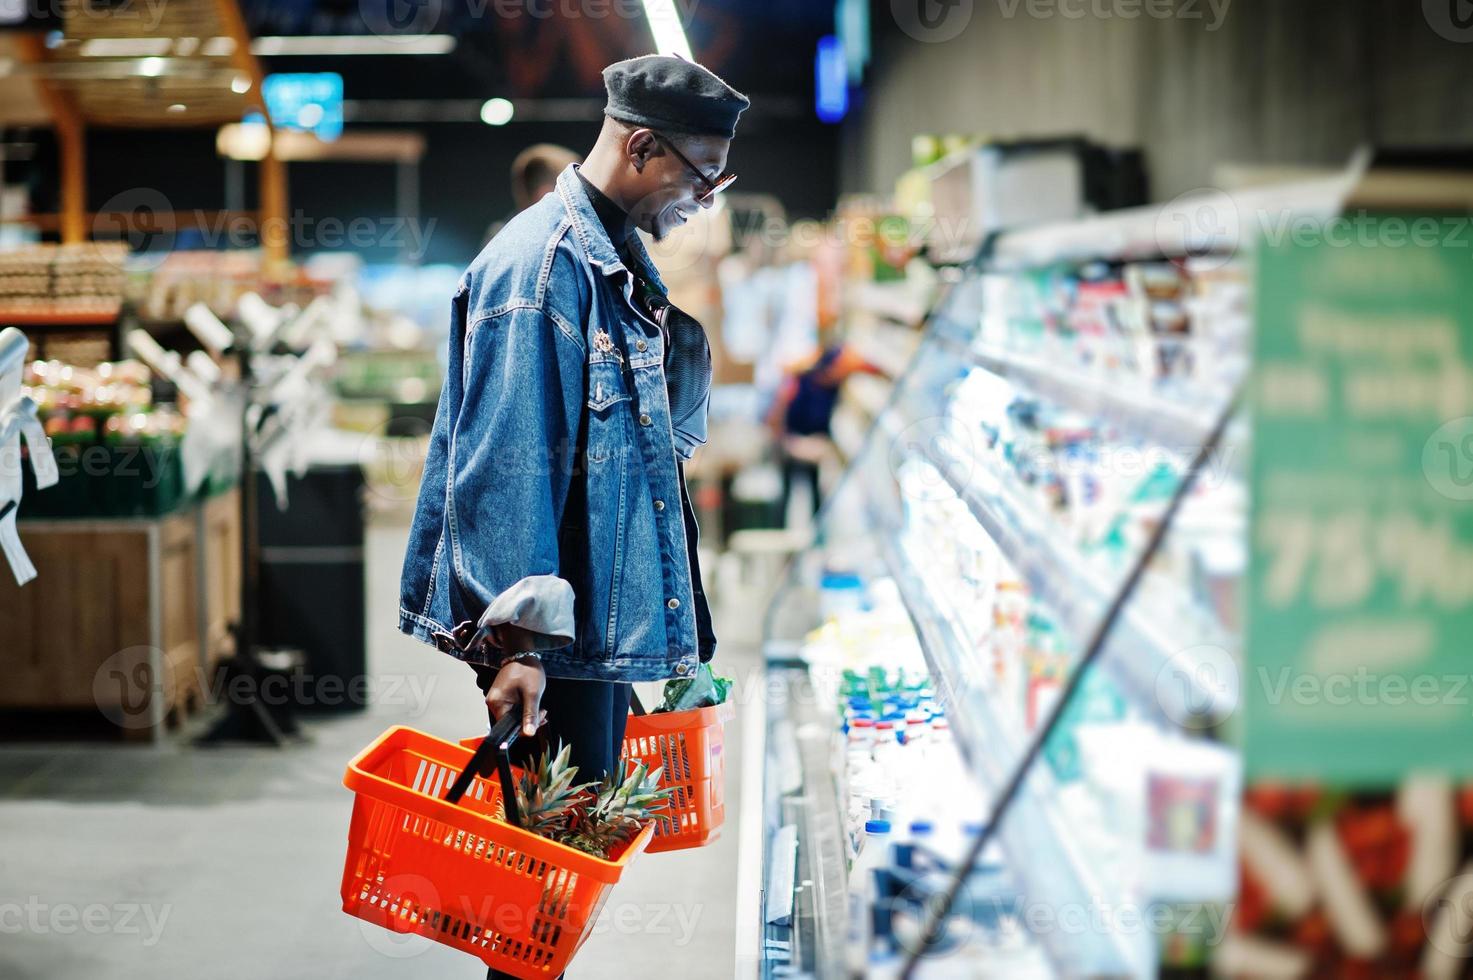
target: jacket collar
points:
(590, 231)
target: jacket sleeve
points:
(511, 455)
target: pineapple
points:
(617, 811)
(547, 797)
(593, 817)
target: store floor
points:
(125, 862)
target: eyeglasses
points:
(713, 187)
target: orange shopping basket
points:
(688, 746)
(454, 872)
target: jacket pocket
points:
(608, 423)
(601, 394)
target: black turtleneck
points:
(614, 218)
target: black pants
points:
(588, 715)
(795, 470)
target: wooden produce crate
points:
(112, 624)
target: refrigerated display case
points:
(1062, 384)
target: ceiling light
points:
(666, 27)
(178, 107)
(186, 46)
(151, 67)
(497, 112)
(240, 84)
(354, 44)
(125, 47)
(244, 141)
(219, 47)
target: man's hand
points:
(519, 686)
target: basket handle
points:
(636, 706)
(497, 745)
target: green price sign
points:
(1359, 649)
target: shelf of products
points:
(898, 301)
(1006, 486)
(119, 453)
(887, 346)
(1152, 418)
(1039, 853)
(1206, 221)
(62, 284)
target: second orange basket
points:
(690, 748)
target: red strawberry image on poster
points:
(1313, 934)
(1377, 844)
(1252, 902)
(1465, 805)
(1407, 934)
(1268, 800)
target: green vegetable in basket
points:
(703, 690)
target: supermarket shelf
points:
(1207, 221)
(896, 301)
(804, 929)
(32, 318)
(869, 393)
(1142, 650)
(1120, 401)
(856, 418)
(1034, 836)
(886, 346)
(848, 430)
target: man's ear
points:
(640, 147)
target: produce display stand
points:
(132, 615)
(54, 335)
(128, 616)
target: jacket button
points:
(645, 420)
(682, 668)
(659, 505)
(640, 345)
(673, 603)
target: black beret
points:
(672, 95)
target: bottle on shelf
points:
(874, 853)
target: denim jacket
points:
(553, 495)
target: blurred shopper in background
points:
(803, 410)
(533, 176)
(535, 171)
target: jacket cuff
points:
(686, 447)
(690, 432)
(541, 604)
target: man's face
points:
(669, 192)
